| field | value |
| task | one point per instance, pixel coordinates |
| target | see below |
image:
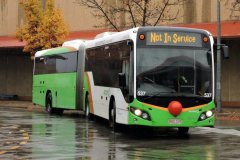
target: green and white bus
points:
(148, 76)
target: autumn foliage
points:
(43, 29)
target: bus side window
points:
(51, 65)
(39, 65)
(125, 62)
(125, 70)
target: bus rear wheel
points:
(59, 111)
(112, 118)
(49, 108)
(87, 113)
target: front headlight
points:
(206, 115)
(140, 113)
(209, 113)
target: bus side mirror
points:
(122, 80)
(209, 58)
(225, 51)
(130, 43)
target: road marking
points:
(25, 134)
(23, 142)
(203, 130)
(14, 147)
(2, 152)
(25, 138)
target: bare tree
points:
(235, 9)
(132, 13)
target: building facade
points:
(81, 22)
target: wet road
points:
(33, 135)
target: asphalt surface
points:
(29, 133)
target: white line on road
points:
(216, 130)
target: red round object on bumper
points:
(175, 108)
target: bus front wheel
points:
(183, 130)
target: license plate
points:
(174, 121)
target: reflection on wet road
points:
(73, 137)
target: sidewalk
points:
(17, 104)
(28, 105)
(232, 114)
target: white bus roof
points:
(54, 51)
(107, 38)
(111, 37)
(68, 46)
(74, 43)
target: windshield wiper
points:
(150, 80)
(159, 94)
(198, 97)
(175, 94)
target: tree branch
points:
(99, 6)
(131, 13)
(161, 14)
(138, 12)
(144, 12)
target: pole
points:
(218, 76)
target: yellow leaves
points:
(42, 30)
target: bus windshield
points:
(173, 71)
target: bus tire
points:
(87, 113)
(49, 108)
(112, 117)
(183, 131)
(59, 111)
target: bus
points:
(145, 76)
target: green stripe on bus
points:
(59, 50)
(160, 117)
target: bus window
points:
(106, 62)
(63, 63)
(125, 70)
(66, 63)
(51, 65)
(39, 65)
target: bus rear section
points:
(54, 80)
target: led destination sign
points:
(174, 39)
